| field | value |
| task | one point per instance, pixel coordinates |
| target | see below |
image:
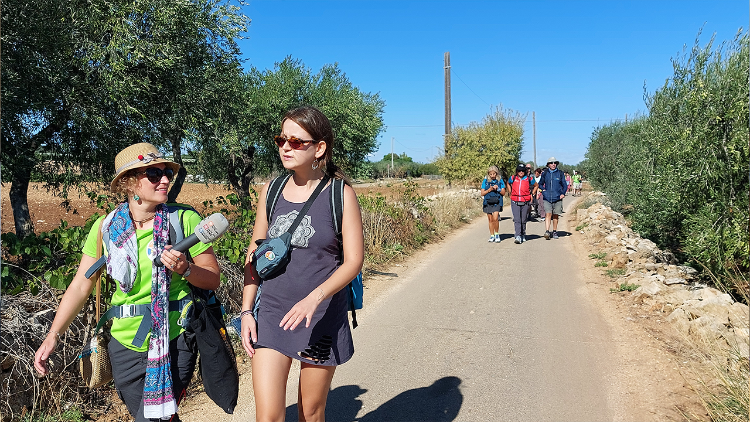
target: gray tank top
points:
(314, 258)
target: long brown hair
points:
(314, 122)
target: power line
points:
(467, 86)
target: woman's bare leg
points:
(270, 373)
(314, 383)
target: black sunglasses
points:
(154, 174)
(295, 143)
(553, 162)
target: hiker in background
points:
(537, 210)
(493, 190)
(303, 310)
(553, 186)
(577, 183)
(522, 188)
(135, 233)
(568, 182)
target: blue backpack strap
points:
(274, 191)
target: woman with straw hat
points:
(151, 371)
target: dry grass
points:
(722, 368)
(404, 220)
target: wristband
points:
(57, 333)
(246, 312)
(321, 294)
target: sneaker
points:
(554, 235)
(518, 240)
(492, 239)
(497, 238)
(546, 235)
(523, 239)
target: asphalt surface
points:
(482, 332)
(478, 332)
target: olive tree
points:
(82, 80)
(470, 150)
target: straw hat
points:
(136, 156)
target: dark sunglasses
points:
(553, 162)
(293, 142)
(154, 174)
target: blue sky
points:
(576, 64)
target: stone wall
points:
(696, 310)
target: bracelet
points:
(246, 312)
(321, 294)
(57, 333)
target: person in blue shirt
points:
(493, 190)
(553, 186)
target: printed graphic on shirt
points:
(301, 235)
(150, 250)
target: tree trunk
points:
(179, 179)
(241, 184)
(21, 177)
(19, 202)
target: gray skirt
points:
(489, 209)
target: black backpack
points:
(208, 332)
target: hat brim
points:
(171, 164)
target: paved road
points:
(480, 332)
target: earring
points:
(136, 197)
(315, 164)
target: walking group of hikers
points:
(547, 186)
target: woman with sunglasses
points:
(134, 234)
(302, 312)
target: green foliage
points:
(245, 150)
(241, 214)
(403, 166)
(70, 415)
(625, 287)
(615, 272)
(599, 255)
(601, 264)
(470, 150)
(81, 80)
(680, 173)
(50, 257)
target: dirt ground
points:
(653, 367)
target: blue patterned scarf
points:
(122, 264)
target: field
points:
(47, 210)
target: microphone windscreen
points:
(211, 227)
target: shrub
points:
(680, 173)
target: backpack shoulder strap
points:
(337, 204)
(274, 191)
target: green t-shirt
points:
(576, 178)
(124, 329)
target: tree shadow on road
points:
(440, 402)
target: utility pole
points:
(392, 153)
(533, 125)
(447, 71)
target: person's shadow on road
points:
(440, 402)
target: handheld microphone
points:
(208, 230)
